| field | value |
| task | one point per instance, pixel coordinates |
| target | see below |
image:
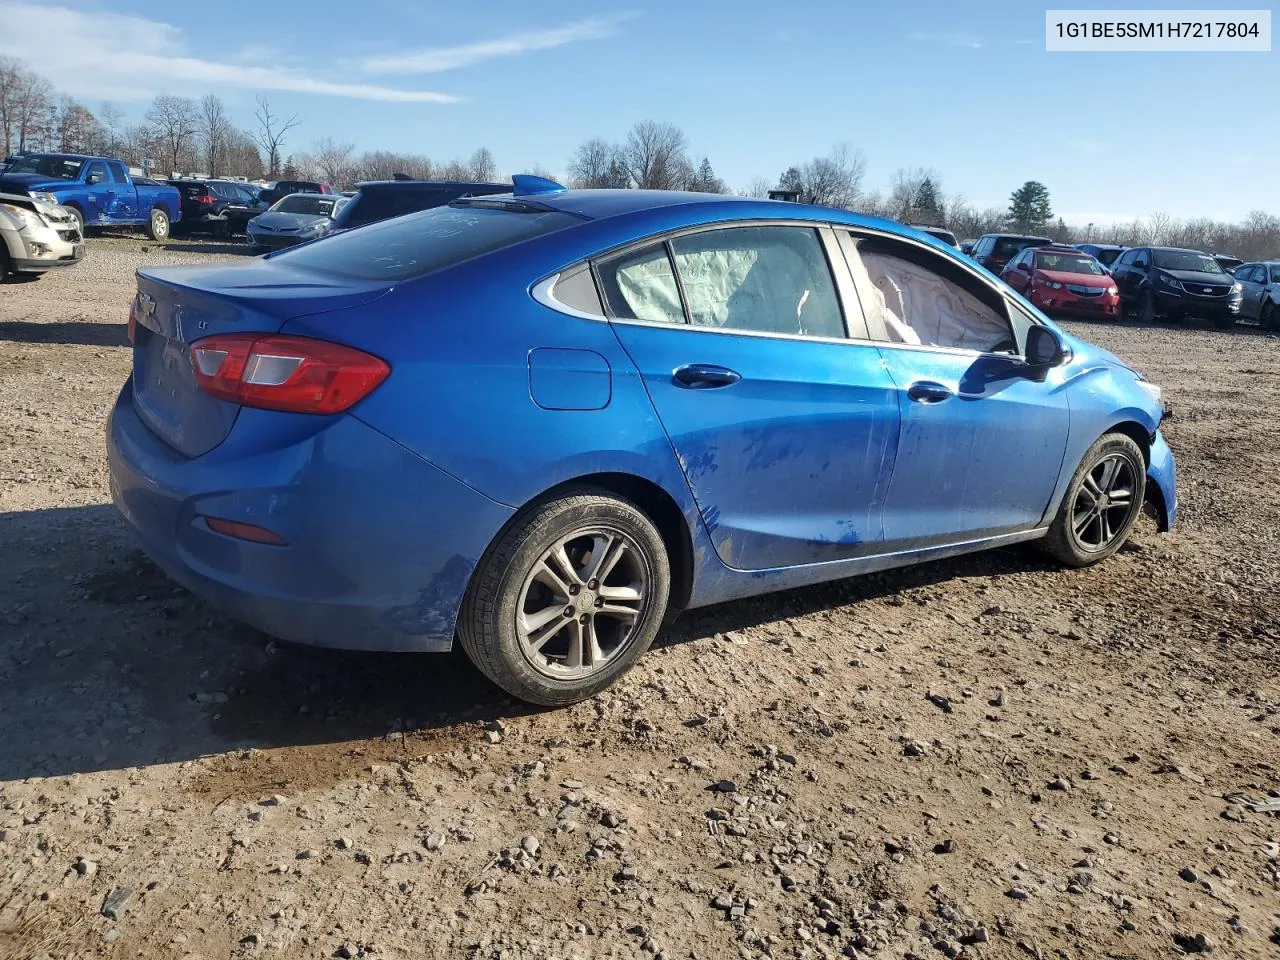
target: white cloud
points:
(960, 39)
(115, 56)
(437, 59)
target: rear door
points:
(981, 445)
(784, 425)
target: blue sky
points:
(965, 89)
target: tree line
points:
(196, 135)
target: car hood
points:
(26, 182)
(279, 220)
(1197, 276)
(1077, 279)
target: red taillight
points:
(295, 374)
(206, 199)
(245, 531)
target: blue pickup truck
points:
(99, 191)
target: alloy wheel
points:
(581, 602)
(1104, 503)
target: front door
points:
(981, 444)
(784, 426)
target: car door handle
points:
(705, 376)
(926, 391)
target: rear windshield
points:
(422, 242)
(1186, 260)
(1012, 246)
(1108, 257)
(370, 205)
(192, 190)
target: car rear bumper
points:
(380, 544)
(1162, 473)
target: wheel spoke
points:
(531, 623)
(628, 593)
(1109, 469)
(607, 558)
(567, 570)
(593, 655)
(1121, 497)
(573, 659)
(1091, 485)
(1082, 523)
(1104, 519)
(549, 577)
(618, 611)
(535, 640)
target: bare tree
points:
(110, 123)
(833, 181)
(175, 123)
(241, 156)
(78, 129)
(598, 164)
(270, 134)
(759, 187)
(383, 165)
(654, 155)
(215, 133)
(26, 105)
(332, 161)
(482, 166)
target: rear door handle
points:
(926, 391)
(705, 376)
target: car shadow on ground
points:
(89, 334)
(106, 664)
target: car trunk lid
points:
(177, 306)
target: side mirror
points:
(1045, 350)
(94, 179)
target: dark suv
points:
(219, 207)
(382, 199)
(1174, 283)
(995, 250)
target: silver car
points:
(294, 219)
(36, 235)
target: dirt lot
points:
(989, 757)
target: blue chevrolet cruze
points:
(540, 422)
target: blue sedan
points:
(541, 422)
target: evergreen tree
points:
(1029, 206)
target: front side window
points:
(97, 173)
(916, 297)
(640, 285)
(761, 279)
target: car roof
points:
(1057, 248)
(1178, 250)
(695, 208)
(1017, 236)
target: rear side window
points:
(423, 242)
(640, 285)
(117, 171)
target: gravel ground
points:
(988, 757)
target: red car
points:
(1060, 279)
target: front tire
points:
(158, 225)
(1101, 505)
(1146, 308)
(1267, 316)
(567, 599)
(79, 215)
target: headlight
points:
(1052, 285)
(1151, 389)
(1113, 290)
(1236, 291)
(1170, 281)
(20, 215)
(45, 197)
(318, 227)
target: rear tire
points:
(1101, 504)
(535, 619)
(158, 225)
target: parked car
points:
(1260, 293)
(1063, 279)
(966, 246)
(539, 423)
(1104, 253)
(98, 191)
(1175, 283)
(220, 207)
(1228, 262)
(941, 233)
(36, 236)
(295, 218)
(283, 188)
(995, 250)
(380, 199)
